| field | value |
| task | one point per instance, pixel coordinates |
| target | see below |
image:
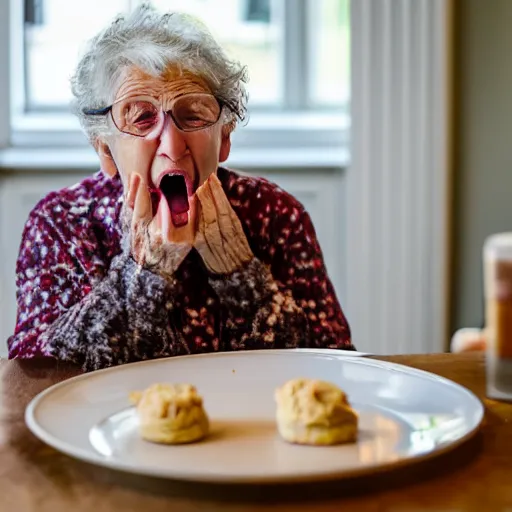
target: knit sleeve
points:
(291, 303)
(72, 309)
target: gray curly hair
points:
(151, 41)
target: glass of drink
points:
(498, 311)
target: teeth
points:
(170, 174)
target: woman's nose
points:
(172, 141)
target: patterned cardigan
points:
(81, 297)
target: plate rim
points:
(91, 457)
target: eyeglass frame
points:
(107, 110)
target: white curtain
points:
(398, 181)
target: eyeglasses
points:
(143, 116)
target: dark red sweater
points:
(82, 298)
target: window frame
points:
(294, 124)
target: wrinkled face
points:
(171, 162)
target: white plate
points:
(405, 415)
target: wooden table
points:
(33, 477)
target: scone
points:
(314, 412)
(170, 414)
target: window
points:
(297, 53)
(256, 32)
(330, 76)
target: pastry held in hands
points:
(314, 412)
(170, 414)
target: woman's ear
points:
(108, 166)
(225, 147)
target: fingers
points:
(230, 225)
(162, 222)
(208, 209)
(208, 239)
(209, 243)
(194, 206)
(216, 240)
(223, 209)
(154, 242)
(177, 235)
(217, 209)
(208, 257)
(133, 185)
(142, 210)
(139, 200)
(218, 194)
(187, 233)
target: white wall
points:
(483, 179)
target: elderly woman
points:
(163, 252)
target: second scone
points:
(314, 412)
(170, 414)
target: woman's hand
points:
(220, 238)
(154, 242)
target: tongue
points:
(179, 219)
(178, 202)
(174, 190)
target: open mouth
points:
(173, 188)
